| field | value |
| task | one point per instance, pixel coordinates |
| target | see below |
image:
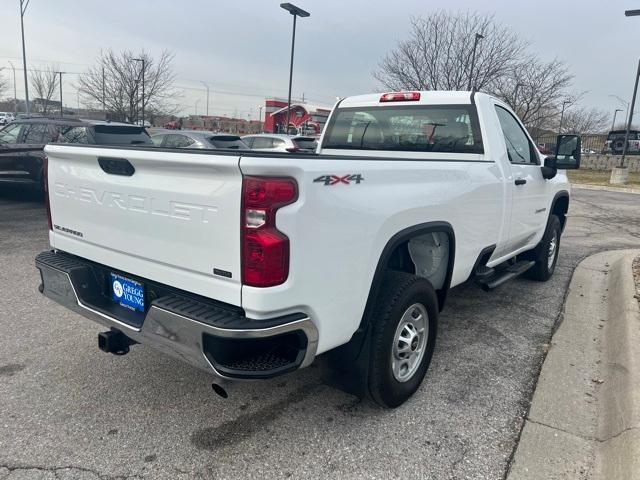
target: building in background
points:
(304, 118)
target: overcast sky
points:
(241, 48)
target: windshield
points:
(121, 135)
(621, 135)
(228, 141)
(414, 128)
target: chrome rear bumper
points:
(170, 328)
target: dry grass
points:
(598, 177)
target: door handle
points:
(520, 181)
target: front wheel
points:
(403, 338)
(546, 253)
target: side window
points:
(278, 143)
(75, 135)
(36, 133)
(10, 133)
(519, 148)
(248, 141)
(178, 141)
(157, 140)
(262, 142)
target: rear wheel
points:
(403, 338)
(546, 253)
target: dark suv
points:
(22, 143)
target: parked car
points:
(250, 265)
(198, 139)
(22, 143)
(6, 117)
(275, 142)
(615, 142)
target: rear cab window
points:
(406, 128)
(121, 135)
(305, 143)
(228, 141)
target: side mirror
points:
(568, 151)
(549, 170)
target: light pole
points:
(476, 40)
(15, 94)
(60, 73)
(566, 102)
(196, 107)
(615, 113)
(143, 65)
(207, 87)
(23, 8)
(295, 12)
(633, 104)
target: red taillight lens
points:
(45, 186)
(400, 97)
(265, 250)
(293, 149)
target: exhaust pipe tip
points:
(219, 390)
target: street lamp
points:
(196, 107)
(623, 102)
(631, 13)
(295, 12)
(23, 8)
(613, 124)
(15, 95)
(566, 102)
(207, 87)
(477, 39)
(143, 64)
(630, 119)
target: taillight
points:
(45, 187)
(400, 97)
(293, 149)
(265, 249)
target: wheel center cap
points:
(414, 344)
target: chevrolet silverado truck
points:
(250, 265)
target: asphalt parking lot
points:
(69, 411)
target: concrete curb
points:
(585, 186)
(584, 420)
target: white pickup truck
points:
(250, 265)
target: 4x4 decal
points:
(329, 180)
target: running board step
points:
(502, 275)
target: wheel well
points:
(560, 208)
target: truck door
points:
(530, 190)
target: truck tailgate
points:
(174, 219)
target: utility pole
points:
(295, 12)
(60, 73)
(104, 97)
(15, 94)
(23, 8)
(207, 87)
(260, 118)
(477, 39)
(566, 102)
(143, 65)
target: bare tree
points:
(585, 120)
(3, 82)
(117, 78)
(438, 53)
(536, 90)
(45, 83)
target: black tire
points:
(543, 270)
(399, 292)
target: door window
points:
(248, 141)
(519, 147)
(157, 140)
(11, 133)
(178, 141)
(262, 142)
(35, 133)
(74, 135)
